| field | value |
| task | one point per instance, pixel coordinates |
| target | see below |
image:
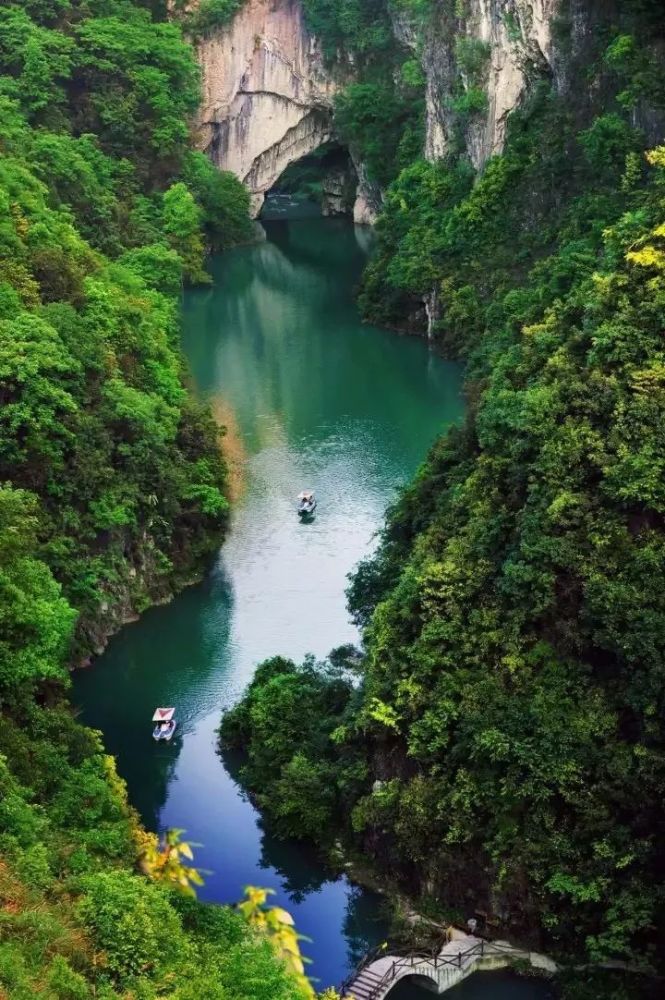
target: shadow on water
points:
(139, 663)
(302, 873)
(500, 985)
(314, 399)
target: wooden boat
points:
(306, 503)
(164, 724)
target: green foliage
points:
(507, 733)
(382, 125)
(469, 103)
(472, 57)
(224, 200)
(131, 921)
(35, 621)
(181, 222)
(98, 232)
(111, 92)
(346, 26)
(516, 640)
(512, 26)
(211, 15)
(296, 787)
(159, 266)
(381, 114)
(553, 189)
(412, 73)
(637, 70)
(608, 143)
(417, 11)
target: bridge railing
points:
(380, 951)
(421, 961)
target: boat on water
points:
(164, 724)
(306, 503)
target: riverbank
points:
(317, 399)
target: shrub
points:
(133, 923)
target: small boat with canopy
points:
(306, 503)
(164, 724)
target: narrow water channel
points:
(312, 398)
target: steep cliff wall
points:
(480, 59)
(494, 47)
(267, 95)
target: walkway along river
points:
(312, 399)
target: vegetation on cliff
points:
(106, 210)
(506, 733)
(76, 919)
(380, 115)
(111, 490)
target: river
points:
(312, 398)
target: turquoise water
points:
(312, 398)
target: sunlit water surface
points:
(312, 398)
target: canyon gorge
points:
(268, 90)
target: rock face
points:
(338, 190)
(496, 47)
(267, 95)
(367, 204)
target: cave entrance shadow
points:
(323, 182)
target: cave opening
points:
(322, 182)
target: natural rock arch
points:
(267, 94)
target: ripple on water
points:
(312, 399)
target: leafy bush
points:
(381, 114)
(132, 921)
(373, 119)
(211, 15)
(345, 26)
(472, 55)
(608, 142)
(470, 102)
(288, 765)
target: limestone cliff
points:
(267, 95)
(493, 49)
(493, 46)
(268, 99)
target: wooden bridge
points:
(458, 958)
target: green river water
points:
(312, 398)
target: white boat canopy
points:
(163, 714)
(306, 495)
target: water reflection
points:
(499, 985)
(313, 399)
(140, 676)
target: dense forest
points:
(501, 748)
(112, 493)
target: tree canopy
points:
(504, 748)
